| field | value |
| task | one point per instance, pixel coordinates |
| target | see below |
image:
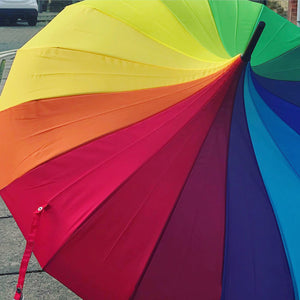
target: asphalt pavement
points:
(38, 284)
(15, 36)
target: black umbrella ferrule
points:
(246, 56)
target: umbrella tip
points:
(246, 56)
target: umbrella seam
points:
(90, 214)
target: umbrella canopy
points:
(144, 159)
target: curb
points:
(46, 17)
(7, 53)
(6, 60)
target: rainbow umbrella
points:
(142, 158)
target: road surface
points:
(14, 37)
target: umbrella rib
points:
(206, 63)
(142, 204)
(102, 203)
(119, 108)
(274, 141)
(155, 39)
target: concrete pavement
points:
(38, 284)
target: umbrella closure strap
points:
(28, 251)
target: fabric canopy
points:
(164, 166)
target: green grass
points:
(2, 65)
